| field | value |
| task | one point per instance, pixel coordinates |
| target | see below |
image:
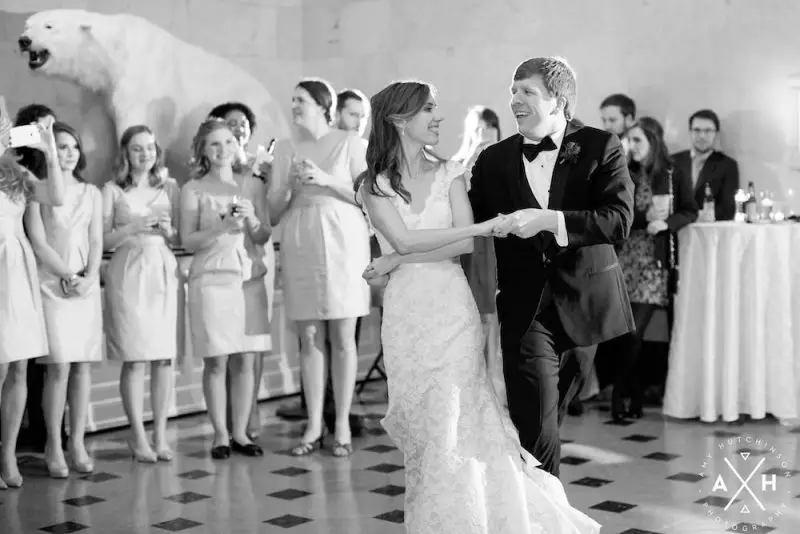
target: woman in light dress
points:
(68, 242)
(225, 223)
(140, 208)
(22, 329)
(481, 129)
(324, 249)
(466, 471)
(242, 122)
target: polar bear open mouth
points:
(37, 58)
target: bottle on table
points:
(751, 204)
(709, 207)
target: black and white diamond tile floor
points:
(648, 477)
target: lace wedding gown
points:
(466, 472)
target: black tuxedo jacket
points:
(722, 173)
(583, 280)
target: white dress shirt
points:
(539, 173)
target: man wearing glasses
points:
(709, 166)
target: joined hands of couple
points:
(523, 223)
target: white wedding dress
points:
(466, 472)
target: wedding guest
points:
(645, 255)
(68, 242)
(618, 112)
(34, 437)
(22, 330)
(141, 285)
(352, 112)
(707, 165)
(242, 122)
(225, 223)
(481, 129)
(324, 250)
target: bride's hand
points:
(381, 267)
(498, 226)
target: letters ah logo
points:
(749, 483)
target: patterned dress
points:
(645, 279)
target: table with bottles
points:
(735, 345)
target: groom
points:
(560, 282)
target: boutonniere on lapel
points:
(570, 153)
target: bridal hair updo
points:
(158, 173)
(399, 101)
(199, 164)
(557, 76)
(323, 94)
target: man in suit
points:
(708, 166)
(560, 282)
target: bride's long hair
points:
(398, 101)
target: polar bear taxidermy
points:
(145, 75)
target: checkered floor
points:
(650, 476)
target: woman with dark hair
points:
(68, 242)
(22, 331)
(324, 250)
(481, 129)
(242, 122)
(466, 470)
(663, 204)
(140, 212)
(225, 222)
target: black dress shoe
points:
(575, 408)
(221, 452)
(618, 412)
(249, 449)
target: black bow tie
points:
(531, 151)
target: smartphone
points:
(24, 135)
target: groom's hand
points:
(531, 221)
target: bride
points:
(466, 471)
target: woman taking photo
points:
(22, 330)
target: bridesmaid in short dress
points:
(142, 285)
(242, 122)
(68, 242)
(22, 330)
(225, 223)
(324, 250)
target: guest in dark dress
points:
(646, 255)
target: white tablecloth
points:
(736, 339)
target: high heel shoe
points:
(342, 450)
(165, 455)
(143, 457)
(11, 482)
(307, 448)
(82, 462)
(247, 449)
(55, 469)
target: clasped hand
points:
(151, 224)
(522, 223)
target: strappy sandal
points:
(306, 448)
(342, 450)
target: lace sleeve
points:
(452, 171)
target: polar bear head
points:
(74, 45)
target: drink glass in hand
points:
(661, 205)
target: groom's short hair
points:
(557, 76)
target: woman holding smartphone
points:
(68, 242)
(225, 223)
(22, 331)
